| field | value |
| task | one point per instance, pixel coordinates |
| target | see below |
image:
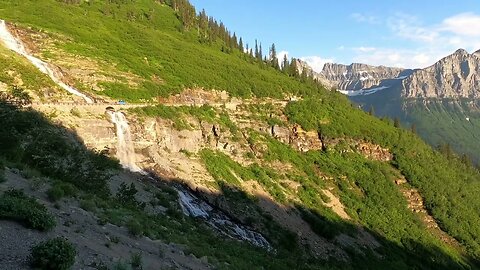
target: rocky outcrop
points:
(457, 75)
(356, 76)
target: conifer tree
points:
(273, 57)
(260, 54)
(240, 45)
(285, 64)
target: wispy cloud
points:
(410, 27)
(428, 42)
(399, 57)
(317, 62)
(364, 49)
(280, 56)
(359, 17)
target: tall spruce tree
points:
(273, 57)
(285, 64)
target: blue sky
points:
(410, 34)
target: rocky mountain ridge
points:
(457, 75)
(454, 76)
(357, 76)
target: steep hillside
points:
(135, 51)
(440, 101)
(231, 174)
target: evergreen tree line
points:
(210, 30)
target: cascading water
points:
(196, 207)
(16, 45)
(125, 149)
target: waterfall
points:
(125, 149)
(16, 45)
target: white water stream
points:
(125, 149)
(17, 46)
(195, 207)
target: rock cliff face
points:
(357, 76)
(457, 75)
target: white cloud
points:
(316, 62)
(365, 18)
(409, 27)
(427, 43)
(464, 24)
(280, 56)
(400, 57)
(364, 49)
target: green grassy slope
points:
(449, 187)
(438, 122)
(446, 123)
(152, 46)
(149, 44)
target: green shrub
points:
(15, 205)
(54, 254)
(126, 197)
(134, 228)
(136, 261)
(55, 193)
(2, 176)
(60, 190)
(88, 205)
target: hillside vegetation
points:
(149, 39)
(146, 38)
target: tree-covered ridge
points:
(148, 39)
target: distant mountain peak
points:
(456, 75)
(355, 77)
(460, 52)
(477, 53)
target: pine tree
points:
(285, 64)
(466, 160)
(414, 128)
(240, 45)
(260, 54)
(273, 57)
(371, 111)
(396, 122)
(293, 68)
(203, 24)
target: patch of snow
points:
(362, 92)
(400, 77)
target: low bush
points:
(54, 254)
(135, 228)
(55, 193)
(15, 205)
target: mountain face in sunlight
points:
(440, 101)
